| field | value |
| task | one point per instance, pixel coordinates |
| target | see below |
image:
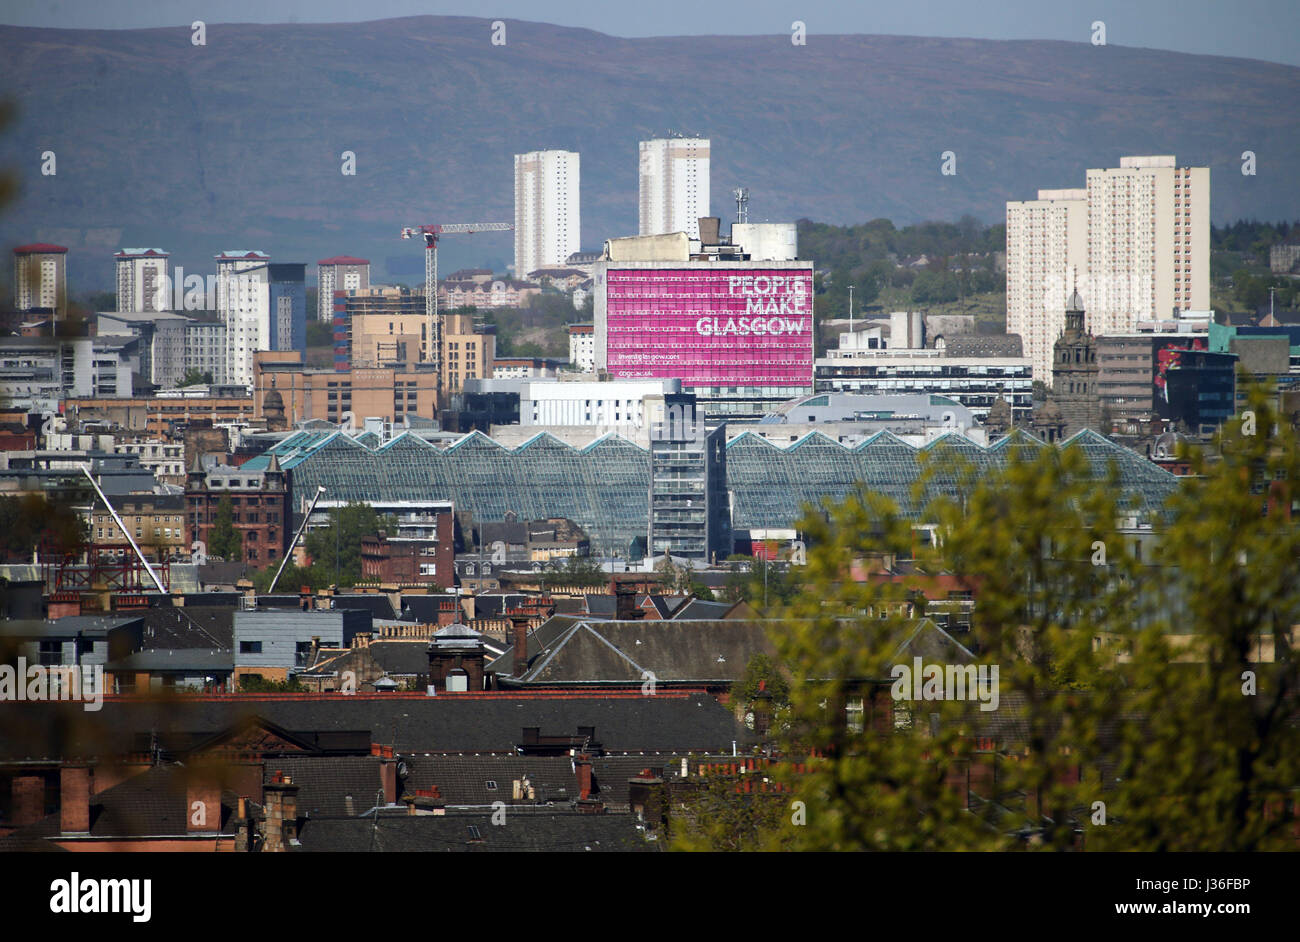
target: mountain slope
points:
(237, 143)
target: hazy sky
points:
(1254, 29)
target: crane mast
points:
(430, 234)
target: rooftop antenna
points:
(742, 204)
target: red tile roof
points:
(344, 260)
(41, 248)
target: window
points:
(855, 710)
(250, 647)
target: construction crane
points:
(430, 234)
(306, 518)
(85, 469)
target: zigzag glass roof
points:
(604, 486)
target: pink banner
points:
(726, 327)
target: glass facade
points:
(605, 487)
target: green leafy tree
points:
(194, 377)
(252, 684)
(1175, 676)
(573, 572)
(335, 549)
(33, 522)
(224, 540)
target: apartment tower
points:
(547, 212)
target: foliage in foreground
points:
(1134, 709)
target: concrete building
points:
(617, 404)
(41, 278)
(380, 326)
(287, 392)
(1148, 241)
(525, 368)
(37, 374)
(582, 347)
(973, 370)
(469, 350)
(263, 306)
(690, 513)
(852, 418)
(674, 185)
(338, 273)
(547, 209)
(142, 282)
(1047, 249)
(1145, 231)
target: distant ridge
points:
(238, 142)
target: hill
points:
(238, 143)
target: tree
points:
(194, 377)
(574, 572)
(1153, 673)
(319, 333)
(336, 548)
(33, 522)
(224, 540)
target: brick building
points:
(259, 505)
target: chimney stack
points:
(280, 827)
(519, 638)
(388, 778)
(582, 766)
(625, 607)
(202, 804)
(74, 799)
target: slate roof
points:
(194, 626)
(379, 605)
(397, 658)
(473, 832)
(449, 723)
(197, 660)
(701, 608)
(566, 650)
(150, 804)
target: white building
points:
(1148, 242)
(547, 209)
(262, 306)
(674, 174)
(582, 347)
(612, 404)
(339, 273)
(40, 278)
(1047, 248)
(142, 283)
(1136, 238)
(164, 459)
